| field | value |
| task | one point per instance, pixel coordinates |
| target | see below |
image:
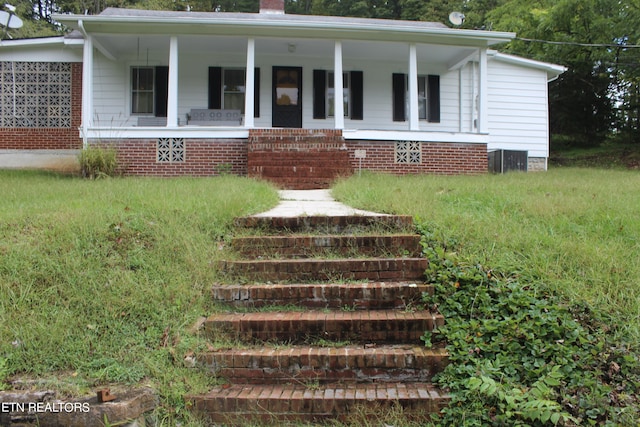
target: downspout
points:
(87, 82)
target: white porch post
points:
(249, 94)
(483, 95)
(172, 97)
(87, 87)
(414, 123)
(338, 87)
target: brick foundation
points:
(437, 158)
(202, 157)
(50, 138)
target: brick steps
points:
(298, 160)
(385, 363)
(350, 344)
(359, 296)
(375, 326)
(275, 403)
(311, 269)
(310, 246)
(327, 224)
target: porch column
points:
(87, 87)
(338, 87)
(172, 97)
(483, 93)
(414, 123)
(249, 88)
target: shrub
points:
(97, 162)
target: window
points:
(324, 94)
(227, 87)
(428, 98)
(233, 88)
(331, 94)
(142, 84)
(408, 152)
(422, 98)
(149, 90)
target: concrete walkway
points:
(294, 203)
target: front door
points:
(287, 97)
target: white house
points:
(194, 93)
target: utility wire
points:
(623, 46)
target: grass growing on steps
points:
(100, 280)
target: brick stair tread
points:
(384, 363)
(309, 269)
(327, 224)
(300, 402)
(376, 326)
(313, 245)
(357, 295)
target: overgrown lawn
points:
(537, 277)
(575, 231)
(101, 279)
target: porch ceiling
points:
(131, 45)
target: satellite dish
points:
(10, 20)
(456, 18)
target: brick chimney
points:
(272, 6)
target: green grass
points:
(537, 277)
(100, 280)
(575, 231)
(608, 155)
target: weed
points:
(518, 353)
(97, 162)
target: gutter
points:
(255, 24)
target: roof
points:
(552, 70)
(133, 21)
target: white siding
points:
(518, 109)
(112, 97)
(41, 53)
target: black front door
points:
(287, 97)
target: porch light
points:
(292, 47)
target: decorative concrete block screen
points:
(35, 94)
(408, 152)
(171, 150)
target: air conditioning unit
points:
(501, 161)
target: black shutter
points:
(357, 95)
(433, 98)
(215, 88)
(256, 93)
(319, 94)
(162, 90)
(399, 91)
